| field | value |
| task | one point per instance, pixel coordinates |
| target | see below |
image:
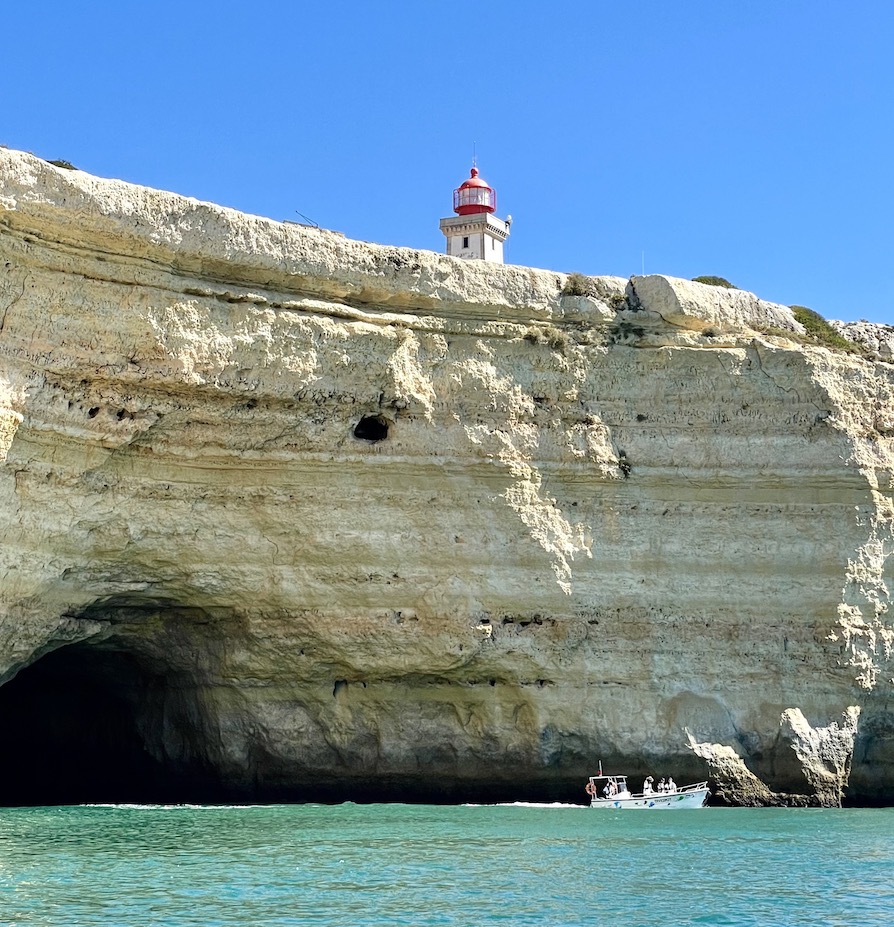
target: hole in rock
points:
(371, 428)
(84, 724)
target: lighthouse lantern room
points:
(475, 232)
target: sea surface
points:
(260, 866)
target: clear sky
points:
(751, 140)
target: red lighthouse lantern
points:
(474, 196)
(475, 232)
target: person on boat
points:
(661, 785)
(671, 785)
(647, 786)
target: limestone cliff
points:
(286, 515)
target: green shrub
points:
(618, 301)
(776, 332)
(66, 164)
(577, 285)
(715, 281)
(554, 337)
(819, 331)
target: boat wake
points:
(135, 806)
(524, 804)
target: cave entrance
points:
(372, 428)
(89, 724)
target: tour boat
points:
(612, 792)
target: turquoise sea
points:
(260, 866)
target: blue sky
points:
(752, 140)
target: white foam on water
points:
(150, 807)
(524, 804)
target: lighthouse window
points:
(474, 196)
(465, 241)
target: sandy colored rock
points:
(298, 516)
(877, 339)
(699, 306)
(732, 781)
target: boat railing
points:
(682, 790)
(695, 787)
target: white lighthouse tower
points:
(475, 232)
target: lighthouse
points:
(475, 232)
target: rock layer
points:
(289, 515)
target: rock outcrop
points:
(286, 515)
(877, 339)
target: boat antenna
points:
(600, 767)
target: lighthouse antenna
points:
(309, 221)
(474, 155)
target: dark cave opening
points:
(115, 721)
(371, 428)
(84, 725)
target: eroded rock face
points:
(290, 515)
(877, 339)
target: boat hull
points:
(671, 801)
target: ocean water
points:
(188, 866)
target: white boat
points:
(612, 792)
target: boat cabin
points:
(608, 787)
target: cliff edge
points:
(286, 515)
